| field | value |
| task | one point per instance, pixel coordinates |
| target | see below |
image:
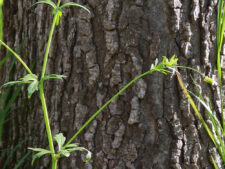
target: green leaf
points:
(74, 4)
(64, 153)
(32, 88)
(75, 149)
(215, 124)
(39, 149)
(70, 150)
(29, 77)
(88, 156)
(40, 154)
(73, 145)
(46, 2)
(12, 83)
(200, 116)
(60, 139)
(214, 163)
(54, 76)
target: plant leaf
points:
(40, 154)
(60, 139)
(199, 115)
(64, 153)
(88, 156)
(214, 122)
(32, 88)
(214, 163)
(54, 76)
(49, 2)
(75, 149)
(73, 145)
(29, 77)
(39, 149)
(12, 83)
(74, 4)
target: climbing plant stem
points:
(104, 106)
(42, 96)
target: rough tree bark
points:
(151, 125)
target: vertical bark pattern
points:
(151, 125)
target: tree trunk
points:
(151, 125)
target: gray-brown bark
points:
(151, 125)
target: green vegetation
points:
(35, 84)
(218, 125)
(165, 67)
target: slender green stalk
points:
(17, 56)
(54, 164)
(195, 70)
(104, 106)
(43, 102)
(219, 14)
(200, 116)
(48, 46)
(220, 34)
(47, 123)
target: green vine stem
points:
(104, 106)
(220, 34)
(42, 96)
(195, 70)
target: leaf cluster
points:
(33, 82)
(163, 66)
(58, 10)
(60, 140)
(30, 79)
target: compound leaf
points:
(38, 149)
(64, 153)
(72, 145)
(49, 2)
(60, 139)
(29, 77)
(54, 76)
(12, 83)
(74, 4)
(75, 149)
(40, 154)
(32, 88)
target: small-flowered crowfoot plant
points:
(35, 84)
